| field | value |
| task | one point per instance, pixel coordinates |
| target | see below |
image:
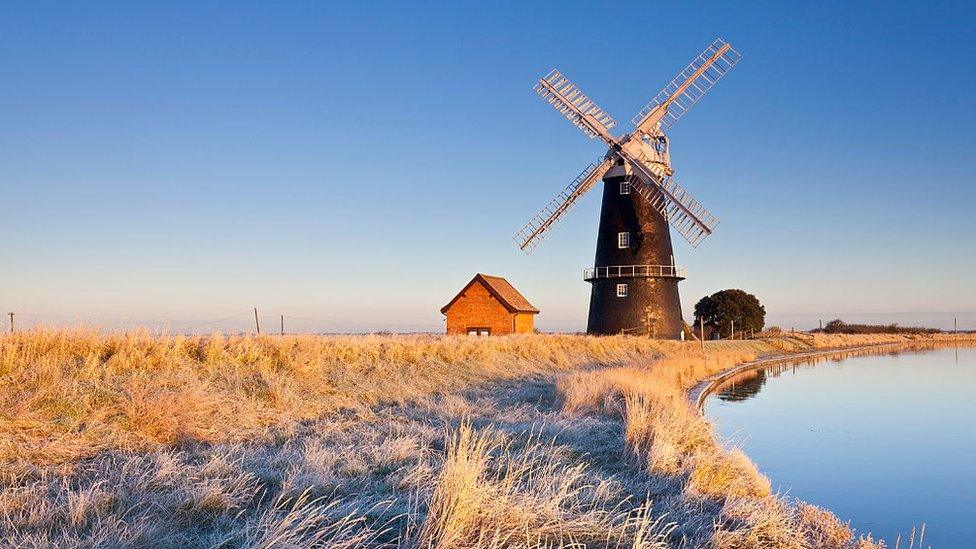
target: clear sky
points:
(356, 163)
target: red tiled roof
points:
(503, 291)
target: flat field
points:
(386, 441)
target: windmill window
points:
(625, 187)
(623, 240)
(621, 290)
(661, 144)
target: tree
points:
(720, 309)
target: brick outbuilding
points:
(489, 305)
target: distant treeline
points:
(838, 326)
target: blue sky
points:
(356, 163)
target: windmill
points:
(634, 278)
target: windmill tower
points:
(634, 278)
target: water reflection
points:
(742, 386)
(748, 384)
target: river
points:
(886, 441)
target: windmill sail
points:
(688, 87)
(579, 109)
(683, 212)
(538, 228)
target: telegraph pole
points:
(257, 325)
(11, 315)
(733, 330)
(282, 324)
(821, 324)
(955, 324)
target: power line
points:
(194, 324)
(120, 318)
(359, 322)
(211, 322)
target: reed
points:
(400, 441)
(68, 394)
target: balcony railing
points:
(634, 271)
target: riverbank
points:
(416, 441)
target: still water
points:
(885, 441)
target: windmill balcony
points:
(635, 271)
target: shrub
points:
(838, 326)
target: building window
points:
(623, 240)
(625, 187)
(621, 290)
(479, 331)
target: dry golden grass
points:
(307, 441)
(67, 394)
(488, 496)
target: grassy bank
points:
(416, 441)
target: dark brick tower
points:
(635, 283)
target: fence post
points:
(701, 330)
(282, 324)
(257, 325)
(11, 315)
